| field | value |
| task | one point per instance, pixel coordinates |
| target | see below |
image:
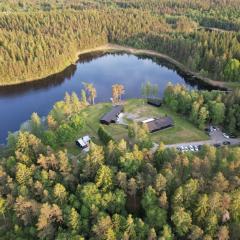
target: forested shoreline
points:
(122, 183)
(37, 43)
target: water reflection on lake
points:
(102, 69)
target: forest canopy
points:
(39, 38)
(117, 190)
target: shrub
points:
(104, 136)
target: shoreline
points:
(134, 51)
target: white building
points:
(83, 143)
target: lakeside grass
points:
(183, 130)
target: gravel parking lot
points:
(216, 137)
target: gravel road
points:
(216, 137)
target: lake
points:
(102, 69)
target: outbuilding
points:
(112, 116)
(157, 102)
(84, 142)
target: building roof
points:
(159, 123)
(112, 115)
(83, 141)
(86, 138)
(148, 120)
(154, 101)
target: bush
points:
(50, 138)
(64, 133)
(104, 136)
(76, 122)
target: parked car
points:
(217, 145)
(179, 148)
(225, 135)
(196, 148)
(226, 143)
(207, 130)
(233, 136)
(212, 128)
(190, 147)
(199, 147)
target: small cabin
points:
(112, 116)
(84, 142)
(156, 102)
(157, 124)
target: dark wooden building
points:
(157, 102)
(159, 124)
(112, 116)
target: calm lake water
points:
(102, 69)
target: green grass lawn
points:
(183, 131)
(93, 115)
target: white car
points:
(225, 135)
(191, 148)
(196, 148)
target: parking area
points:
(217, 139)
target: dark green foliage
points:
(104, 136)
(37, 43)
(50, 138)
(232, 70)
(47, 193)
(53, 194)
(50, 41)
(203, 107)
(64, 133)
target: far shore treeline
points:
(36, 40)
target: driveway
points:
(216, 137)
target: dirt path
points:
(135, 51)
(217, 29)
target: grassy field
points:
(91, 114)
(183, 131)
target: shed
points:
(157, 102)
(112, 116)
(83, 142)
(159, 124)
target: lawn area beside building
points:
(183, 130)
(135, 110)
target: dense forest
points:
(39, 38)
(204, 107)
(126, 189)
(117, 190)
